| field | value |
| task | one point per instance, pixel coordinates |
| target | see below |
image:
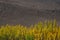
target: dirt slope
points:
(26, 13)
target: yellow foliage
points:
(40, 31)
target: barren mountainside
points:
(27, 12)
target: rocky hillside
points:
(26, 13)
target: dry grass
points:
(41, 31)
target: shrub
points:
(48, 30)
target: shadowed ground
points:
(26, 14)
